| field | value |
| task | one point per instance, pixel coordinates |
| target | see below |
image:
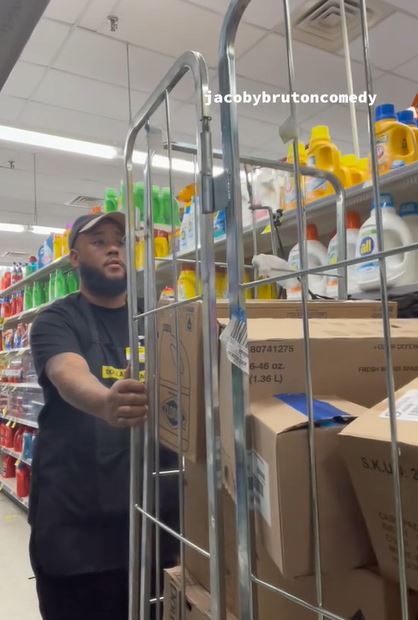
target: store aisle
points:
(17, 592)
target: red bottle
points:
(8, 437)
(22, 480)
(7, 279)
(18, 440)
(9, 467)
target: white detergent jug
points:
(317, 256)
(396, 233)
(409, 212)
(352, 224)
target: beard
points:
(99, 284)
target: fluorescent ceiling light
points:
(162, 162)
(69, 145)
(45, 230)
(18, 228)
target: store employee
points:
(79, 504)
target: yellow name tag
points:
(109, 372)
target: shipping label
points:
(260, 484)
(406, 407)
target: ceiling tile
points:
(10, 108)
(409, 70)
(142, 24)
(45, 42)
(23, 80)
(86, 95)
(71, 123)
(147, 68)
(91, 55)
(392, 89)
(388, 47)
(406, 5)
(65, 11)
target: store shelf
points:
(8, 486)
(24, 421)
(16, 455)
(15, 351)
(26, 316)
(21, 386)
(40, 274)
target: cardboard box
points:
(191, 379)
(347, 358)
(359, 594)
(281, 486)
(198, 600)
(367, 451)
(319, 309)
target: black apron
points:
(79, 503)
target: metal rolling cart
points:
(236, 333)
(145, 466)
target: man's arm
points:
(122, 405)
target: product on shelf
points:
(322, 154)
(46, 252)
(8, 466)
(289, 190)
(399, 267)
(355, 172)
(110, 200)
(72, 282)
(317, 256)
(28, 297)
(60, 284)
(395, 142)
(352, 223)
(186, 284)
(57, 244)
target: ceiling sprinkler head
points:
(12, 164)
(113, 21)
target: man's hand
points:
(126, 403)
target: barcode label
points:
(261, 486)
(406, 407)
(235, 339)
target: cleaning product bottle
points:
(57, 245)
(60, 286)
(28, 297)
(72, 283)
(110, 200)
(409, 212)
(167, 209)
(407, 118)
(364, 165)
(399, 267)
(186, 284)
(18, 440)
(9, 467)
(22, 480)
(352, 224)
(51, 287)
(37, 294)
(66, 240)
(221, 283)
(395, 142)
(317, 256)
(289, 190)
(219, 225)
(357, 174)
(322, 154)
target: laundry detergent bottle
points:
(409, 213)
(395, 142)
(356, 171)
(352, 223)
(322, 154)
(317, 256)
(396, 233)
(289, 190)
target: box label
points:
(261, 486)
(406, 407)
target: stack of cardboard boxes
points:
(348, 373)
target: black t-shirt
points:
(79, 503)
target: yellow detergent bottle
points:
(364, 165)
(406, 117)
(357, 171)
(395, 142)
(186, 284)
(322, 154)
(289, 192)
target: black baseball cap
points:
(87, 222)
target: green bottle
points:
(139, 200)
(28, 297)
(51, 287)
(72, 282)
(157, 206)
(37, 294)
(110, 200)
(60, 285)
(166, 208)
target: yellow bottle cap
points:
(320, 132)
(186, 194)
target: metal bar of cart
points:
(142, 448)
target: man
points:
(79, 504)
